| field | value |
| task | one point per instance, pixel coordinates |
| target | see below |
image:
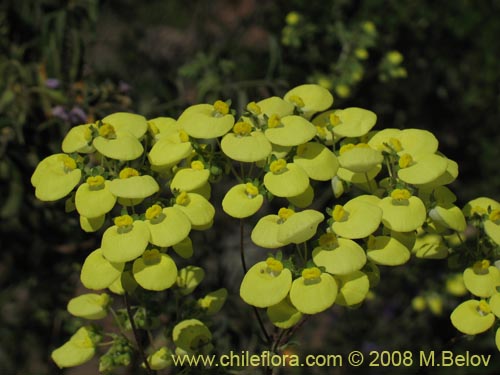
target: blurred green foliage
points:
(66, 62)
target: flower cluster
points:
(146, 185)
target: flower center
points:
(197, 165)
(297, 100)
(334, 120)
(153, 212)
(483, 308)
(242, 128)
(339, 214)
(182, 199)
(405, 161)
(107, 131)
(278, 166)
(285, 213)
(400, 194)
(495, 216)
(124, 223)
(220, 108)
(95, 182)
(311, 275)
(183, 136)
(128, 172)
(274, 266)
(274, 121)
(254, 108)
(251, 190)
(481, 267)
(395, 144)
(68, 163)
(328, 240)
(150, 257)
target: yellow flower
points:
(189, 179)
(197, 208)
(213, 301)
(118, 144)
(154, 270)
(472, 317)
(160, 359)
(55, 177)
(131, 185)
(89, 306)
(79, 349)
(242, 200)
(313, 97)
(317, 161)
(283, 315)
(387, 251)
(170, 149)
(286, 179)
(189, 278)
(78, 139)
(313, 292)
(353, 288)
(167, 226)
(99, 273)
(206, 121)
(359, 158)
(93, 198)
(292, 131)
(246, 145)
(402, 211)
(482, 279)
(339, 256)
(358, 218)
(191, 336)
(266, 283)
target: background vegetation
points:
(68, 62)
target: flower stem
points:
(136, 336)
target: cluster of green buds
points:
(146, 185)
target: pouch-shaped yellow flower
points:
(242, 200)
(154, 270)
(129, 122)
(189, 278)
(339, 256)
(314, 291)
(359, 158)
(93, 198)
(78, 139)
(167, 226)
(353, 122)
(292, 130)
(189, 179)
(286, 179)
(472, 317)
(402, 211)
(126, 240)
(265, 232)
(246, 144)
(170, 150)
(489, 209)
(424, 170)
(79, 349)
(482, 279)
(213, 301)
(449, 216)
(310, 98)
(206, 121)
(160, 359)
(55, 176)
(494, 303)
(191, 336)
(387, 251)
(161, 127)
(198, 209)
(300, 227)
(98, 272)
(118, 145)
(89, 306)
(415, 142)
(356, 219)
(353, 288)
(131, 185)
(275, 106)
(266, 283)
(284, 315)
(317, 161)
(359, 178)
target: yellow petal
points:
(317, 161)
(354, 122)
(213, 301)
(313, 297)
(295, 130)
(91, 202)
(198, 210)
(387, 251)
(288, 183)
(283, 315)
(239, 203)
(265, 232)
(89, 306)
(78, 139)
(300, 227)
(199, 122)
(360, 159)
(314, 97)
(78, 350)
(248, 149)
(342, 259)
(188, 179)
(136, 187)
(363, 219)
(154, 270)
(426, 169)
(353, 288)
(169, 151)
(124, 147)
(262, 288)
(304, 199)
(482, 284)
(171, 228)
(404, 216)
(129, 122)
(189, 278)
(90, 225)
(275, 106)
(118, 246)
(184, 248)
(99, 273)
(192, 336)
(467, 319)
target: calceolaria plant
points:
(145, 186)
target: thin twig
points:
(136, 335)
